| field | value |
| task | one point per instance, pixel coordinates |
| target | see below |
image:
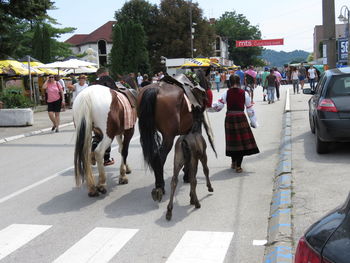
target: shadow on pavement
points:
(136, 202)
(75, 199)
(339, 152)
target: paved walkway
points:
(42, 123)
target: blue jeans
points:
(217, 86)
(271, 93)
(312, 83)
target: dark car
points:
(327, 240)
(329, 108)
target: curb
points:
(28, 134)
(279, 247)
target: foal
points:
(189, 149)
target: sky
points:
(293, 20)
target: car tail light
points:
(327, 105)
(305, 254)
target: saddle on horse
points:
(130, 94)
(183, 82)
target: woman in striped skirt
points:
(239, 137)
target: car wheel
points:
(321, 146)
(312, 123)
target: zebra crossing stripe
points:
(100, 245)
(201, 247)
(17, 235)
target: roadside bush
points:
(13, 98)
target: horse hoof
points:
(210, 189)
(123, 181)
(102, 189)
(93, 194)
(197, 205)
(168, 215)
(157, 194)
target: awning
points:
(45, 71)
(200, 63)
(18, 68)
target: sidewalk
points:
(42, 123)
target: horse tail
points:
(149, 137)
(209, 133)
(83, 123)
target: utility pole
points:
(328, 11)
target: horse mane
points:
(129, 80)
(203, 81)
(198, 119)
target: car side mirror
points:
(308, 91)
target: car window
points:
(320, 84)
(340, 85)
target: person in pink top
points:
(278, 83)
(250, 82)
(55, 100)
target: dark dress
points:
(239, 137)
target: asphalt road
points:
(44, 217)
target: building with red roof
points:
(97, 45)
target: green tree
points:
(22, 24)
(143, 13)
(16, 18)
(46, 58)
(237, 27)
(174, 30)
(310, 57)
(141, 57)
(37, 42)
(117, 52)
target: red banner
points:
(259, 42)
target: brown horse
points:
(162, 107)
(101, 110)
(189, 149)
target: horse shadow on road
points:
(75, 199)
(138, 201)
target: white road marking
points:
(259, 242)
(17, 235)
(201, 247)
(29, 187)
(100, 245)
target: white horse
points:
(106, 113)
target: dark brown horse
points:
(163, 108)
(189, 149)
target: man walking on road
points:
(240, 74)
(302, 75)
(278, 82)
(264, 83)
(312, 75)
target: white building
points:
(97, 45)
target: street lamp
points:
(345, 18)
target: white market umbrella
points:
(79, 63)
(82, 70)
(59, 65)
